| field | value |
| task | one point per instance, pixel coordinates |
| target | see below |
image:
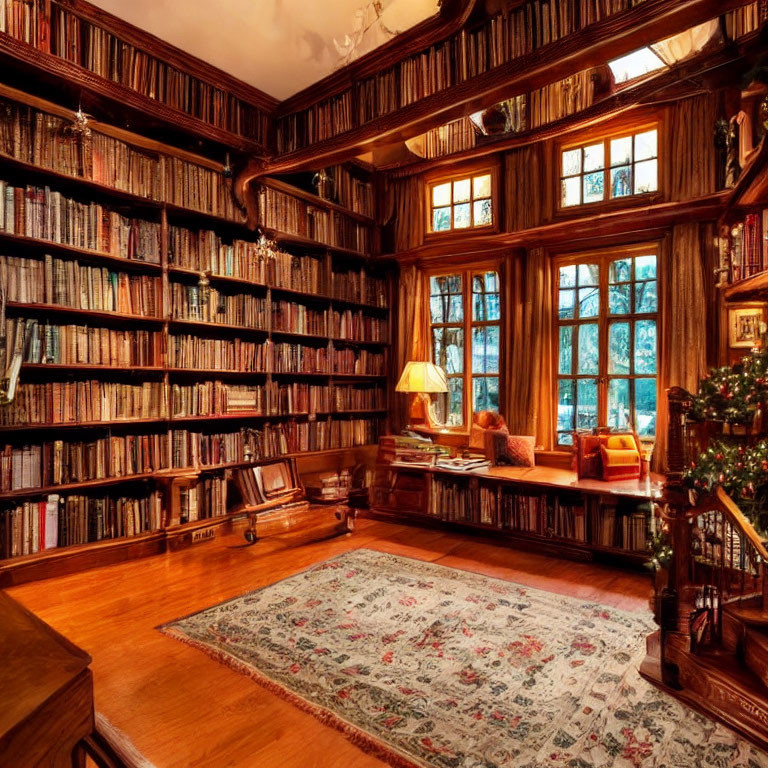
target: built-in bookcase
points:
(163, 340)
(97, 54)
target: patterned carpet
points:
(425, 665)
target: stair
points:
(745, 631)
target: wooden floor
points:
(182, 709)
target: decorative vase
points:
(494, 120)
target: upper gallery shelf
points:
(508, 53)
(107, 65)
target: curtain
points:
(529, 376)
(405, 205)
(411, 342)
(691, 147)
(683, 310)
(525, 187)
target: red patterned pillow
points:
(520, 450)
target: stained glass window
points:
(462, 203)
(607, 344)
(610, 169)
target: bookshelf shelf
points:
(215, 327)
(214, 278)
(212, 372)
(81, 367)
(288, 238)
(81, 254)
(81, 486)
(82, 425)
(93, 314)
(316, 200)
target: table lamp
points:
(422, 380)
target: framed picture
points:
(745, 325)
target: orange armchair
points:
(608, 455)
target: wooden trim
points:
(585, 232)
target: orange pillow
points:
(619, 457)
(621, 442)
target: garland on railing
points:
(741, 470)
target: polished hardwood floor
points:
(181, 709)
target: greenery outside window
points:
(465, 328)
(462, 202)
(607, 310)
(610, 168)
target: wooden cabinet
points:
(46, 693)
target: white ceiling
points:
(278, 46)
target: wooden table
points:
(46, 693)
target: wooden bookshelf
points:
(57, 63)
(230, 358)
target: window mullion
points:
(602, 381)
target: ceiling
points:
(278, 46)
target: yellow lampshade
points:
(418, 376)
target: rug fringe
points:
(353, 733)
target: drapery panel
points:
(411, 339)
(685, 290)
(529, 374)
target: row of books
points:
(358, 326)
(748, 246)
(209, 398)
(50, 343)
(517, 30)
(285, 213)
(209, 305)
(298, 318)
(205, 251)
(193, 352)
(611, 528)
(199, 449)
(351, 192)
(456, 136)
(544, 514)
(359, 286)
(57, 462)
(742, 21)
(68, 283)
(74, 402)
(45, 214)
(61, 521)
(359, 361)
(48, 141)
(57, 30)
(204, 500)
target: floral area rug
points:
(425, 665)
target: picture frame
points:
(746, 324)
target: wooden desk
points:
(46, 693)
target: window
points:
(611, 168)
(607, 349)
(465, 306)
(461, 203)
